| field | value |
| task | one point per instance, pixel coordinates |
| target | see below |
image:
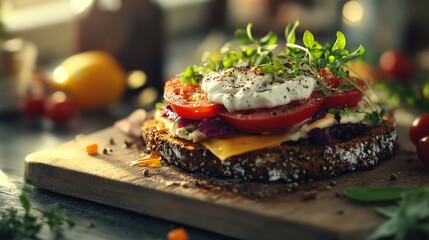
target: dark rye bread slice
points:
(287, 162)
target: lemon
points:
(94, 79)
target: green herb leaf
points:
(408, 217)
(422, 227)
(192, 74)
(14, 225)
(321, 63)
(308, 39)
(24, 202)
(290, 32)
(344, 87)
(241, 35)
(388, 228)
(277, 64)
(340, 43)
(412, 210)
(249, 32)
(375, 194)
(269, 39)
(57, 222)
(388, 211)
(268, 68)
(262, 59)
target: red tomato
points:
(396, 64)
(59, 108)
(342, 99)
(419, 128)
(189, 101)
(274, 119)
(33, 105)
(423, 150)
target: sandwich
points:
(255, 112)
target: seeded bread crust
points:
(286, 162)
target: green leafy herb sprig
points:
(408, 218)
(413, 93)
(333, 57)
(308, 59)
(16, 225)
(259, 52)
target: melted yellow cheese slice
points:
(226, 147)
(230, 146)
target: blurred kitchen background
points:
(155, 40)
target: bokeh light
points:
(79, 6)
(148, 96)
(387, 60)
(136, 79)
(353, 12)
(60, 75)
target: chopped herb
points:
(27, 225)
(407, 218)
(344, 87)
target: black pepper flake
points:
(105, 151)
(337, 195)
(127, 144)
(112, 141)
(90, 225)
(393, 177)
(340, 212)
(145, 172)
(310, 195)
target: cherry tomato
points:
(419, 128)
(396, 64)
(59, 108)
(33, 105)
(274, 119)
(189, 101)
(423, 150)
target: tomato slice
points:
(349, 97)
(189, 101)
(344, 99)
(275, 119)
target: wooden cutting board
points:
(242, 210)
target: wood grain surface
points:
(246, 210)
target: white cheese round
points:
(250, 88)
